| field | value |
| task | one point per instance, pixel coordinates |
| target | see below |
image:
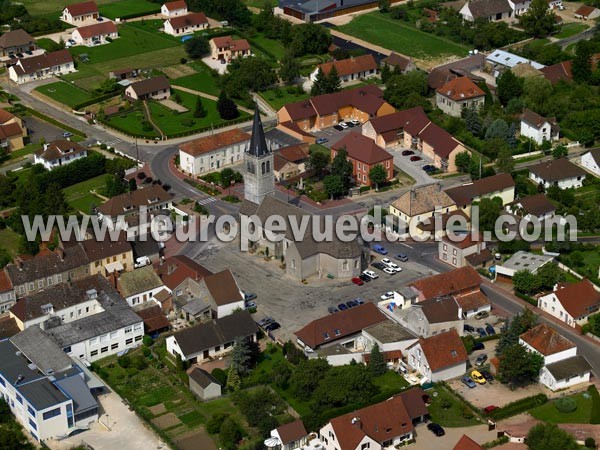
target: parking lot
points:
(332, 135)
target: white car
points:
(389, 271)
(390, 265)
(372, 275)
(355, 122)
(387, 296)
(343, 125)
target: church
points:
(303, 258)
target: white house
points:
(585, 12)
(291, 435)
(558, 172)
(491, 10)
(440, 357)
(539, 128)
(96, 34)
(156, 88)
(591, 161)
(80, 13)
(566, 373)
(42, 66)
(59, 153)
(221, 291)
(458, 94)
(213, 152)
(355, 68)
(140, 286)
(537, 206)
(174, 9)
(572, 303)
(186, 24)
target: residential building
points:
(537, 206)
(389, 130)
(458, 94)
(391, 337)
(324, 111)
(464, 67)
(291, 436)
(466, 443)
(123, 74)
(403, 63)
(491, 10)
(12, 131)
(456, 249)
(156, 88)
(59, 153)
(139, 286)
(500, 60)
(204, 385)
(212, 339)
(42, 66)
(312, 10)
(521, 261)
(213, 152)
(557, 72)
(364, 154)
(572, 303)
(155, 321)
(221, 292)
(438, 358)
(350, 69)
(586, 12)
(176, 271)
(96, 34)
(181, 25)
(108, 256)
(16, 41)
(557, 172)
(591, 161)
(79, 14)
(501, 185)
(421, 203)
(539, 128)
(174, 9)
(431, 317)
(290, 161)
(566, 373)
(7, 293)
(225, 48)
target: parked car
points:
(378, 265)
(477, 377)
(436, 429)
(272, 326)
(357, 281)
(489, 409)
(351, 303)
(322, 140)
(407, 153)
(415, 158)
(468, 328)
(28, 52)
(490, 329)
(488, 376)
(366, 278)
(349, 124)
(338, 127)
(359, 300)
(20, 55)
(250, 304)
(389, 271)
(249, 296)
(380, 249)
(355, 122)
(99, 19)
(265, 321)
(372, 275)
(481, 332)
(401, 257)
(480, 361)
(67, 134)
(332, 310)
(478, 346)
(388, 295)
(343, 125)
(482, 315)
(467, 381)
(391, 265)
(342, 307)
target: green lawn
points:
(549, 413)
(131, 123)
(261, 3)
(79, 196)
(202, 81)
(570, 29)
(9, 240)
(48, 7)
(275, 48)
(279, 97)
(395, 35)
(319, 148)
(29, 148)
(448, 410)
(65, 93)
(129, 7)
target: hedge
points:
(522, 405)
(595, 416)
(55, 122)
(527, 298)
(262, 49)
(95, 100)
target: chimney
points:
(439, 186)
(19, 262)
(413, 194)
(61, 253)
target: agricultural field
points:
(394, 35)
(65, 93)
(80, 195)
(128, 8)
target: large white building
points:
(96, 34)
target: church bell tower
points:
(259, 180)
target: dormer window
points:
(326, 335)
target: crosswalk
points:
(206, 201)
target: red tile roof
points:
(5, 283)
(5, 116)
(535, 120)
(473, 301)
(557, 72)
(292, 432)
(466, 443)
(396, 60)
(349, 66)
(173, 6)
(223, 288)
(443, 350)
(214, 142)
(556, 170)
(579, 299)
(35, 63)
(448, 283)
(537, 204)
(585, 11)
(546, 340)
(339, 325)
(97, 29)
(79, 9)
(9, 130)
(469, 240)
(154, 319)
(176, 269)
(442, 142)
(413, 120)
(362, 148)
(294, 153)
(461, 88)
(464, 195)
(57, 149)
(229, 42)
(189, 20)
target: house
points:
(291, 436)
(561, 71)
(403, 63)
(466, 443)
(389, 130)
(79, 14)
(521, 261)
(324, 111)
(456, 251)
(364, 154)
(213, 152)
(572, 303)
(176, 271)
(431, 317)
(16, 41)
(12, 131)
(421, 203)
(42, 66)
(174, 9)
(539, 128)
(122, 74)
(384, 425)
(391, 337)
(465, 67)
(289, 162)
(558, 172)
(156, 88)
(566, 373)
(499, 60)
(139, 286)
(108, 256)
(155, 321)
(438, 358)
(501, 185)
(225, 48)
(7, 293)
(222, 293)
(180, 25)
(591, 161)
(491, 10)
(343, 328)
(204, 385)
(59, 153)
(96, 34)
(586, 12)
(350, 69)
(458, 94)
(537, 206)
(212, 339)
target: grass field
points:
(549, 413)
(131, 123)
(202, 80)
(261, 3)
(9, 240)
(128, 7)
(281, 96)
(47, 7)
(570, 29)
(79, 196)
(275, 48)
(447, 409)
(394, 35)
(65, 93)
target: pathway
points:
(149, 119)
(209, 96)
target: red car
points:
(489, 409)
(358, 281)
(415, 158)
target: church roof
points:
(258, 143)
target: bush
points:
(565, 405)
(183, 60)
(148, 341)
(213, 426)
(595, 416)
(590, 442)
(220, 375)
(522, 405)
(124, 361)
(140, 362)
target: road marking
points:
(206, 201)
(406, 245)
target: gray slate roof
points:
(203, 378)
(138, 280)
(42, 351)
(79, 392)
(570, 367)
(487, 8)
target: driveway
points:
(425, 440)
(215, 64)
(332, 135)
(39, 129)
(413, 168)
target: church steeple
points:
(258, 143)
(259, 180)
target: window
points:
(31, 286)
(129, 341)
(59, 278)
(138, 338)
(49, 281)
(128, 330)
(40, 284)
(67, 349)
(104, 338)
(326, 335)
(30, 411)
(94, 353)
(103, 349)
(52, 413)
(114, 346)
(137, 326)
(93, 341)
(2, 382)
(114, 334)
(32, 425)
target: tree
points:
(307, 376)
(249, 74)
(309, 39)
(378, 175)
(537, 93)
(226, 176)
(241, 356)
(320, 84)
(582, 62)
(515, 327)
(509, 86)
(317, 162)
(545, 436)
(233, 11)
(384, 6)
(560, 151)
(539, 21)
(463, 162)
(114, 186)
(376, 361)
(334, 83)
(334, 186)
(289, 69)
(489, 211)
(525, 282)
(472, 120)
(519, 367)
(548, 275)
(498, 129)
(234, 382)
(196, 47)
(399, 87)
(226, 107)
(385, 73)
(199, 110)
(504, 161)
(230, 434)
(341, 167)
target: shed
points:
(204, 385)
